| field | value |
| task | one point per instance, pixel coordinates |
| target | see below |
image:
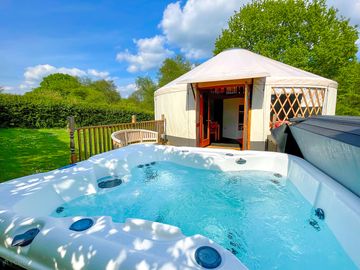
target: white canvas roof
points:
(237, 64)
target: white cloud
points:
(194, 27)
(33, 75)
(349, 8)
(6, 88)
(126, 90)
(150, 54)
(98, 74)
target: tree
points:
(349, 90)
(303, 33)
(145, 92)
(172, 68)
(58, 82)
(107, 88)
(63, 86)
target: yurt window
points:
(289, 102)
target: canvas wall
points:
(178, 106)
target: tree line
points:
(302, 33)
(66, 88)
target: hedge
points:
(22, 111)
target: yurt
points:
(237, 97)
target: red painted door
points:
(204, 120)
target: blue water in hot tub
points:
(259, 217)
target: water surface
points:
(259, 217)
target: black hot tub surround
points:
(332, 144)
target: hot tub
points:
(162, 207)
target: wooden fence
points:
(88, 141)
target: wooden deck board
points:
(224, 146)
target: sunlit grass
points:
(28, 151)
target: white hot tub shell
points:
(27, 203)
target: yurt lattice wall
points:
(292, 102)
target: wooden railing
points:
(88, 141)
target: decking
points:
(231, 146)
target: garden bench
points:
(125, 137)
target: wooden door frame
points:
(204, 142)
(247, 112)
(246, 126)
(247, 119)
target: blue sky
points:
(117, 40)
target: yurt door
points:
(204, 120)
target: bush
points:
(22, 111)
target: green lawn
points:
(28, 151)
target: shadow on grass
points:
(29, 151)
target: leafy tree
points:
(108, 88)
(58, 82)
(172, 68)
(145, 92)
(303, 33)
(66, 87)
(349, 90)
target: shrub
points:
(22, 111)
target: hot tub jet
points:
(320, 213)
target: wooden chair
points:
(215, 130)
(125, 137)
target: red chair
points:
(215, 129)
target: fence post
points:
(133, 119)
(163, 119)
(71, 127)
(162, 132)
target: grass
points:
(28, 151)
